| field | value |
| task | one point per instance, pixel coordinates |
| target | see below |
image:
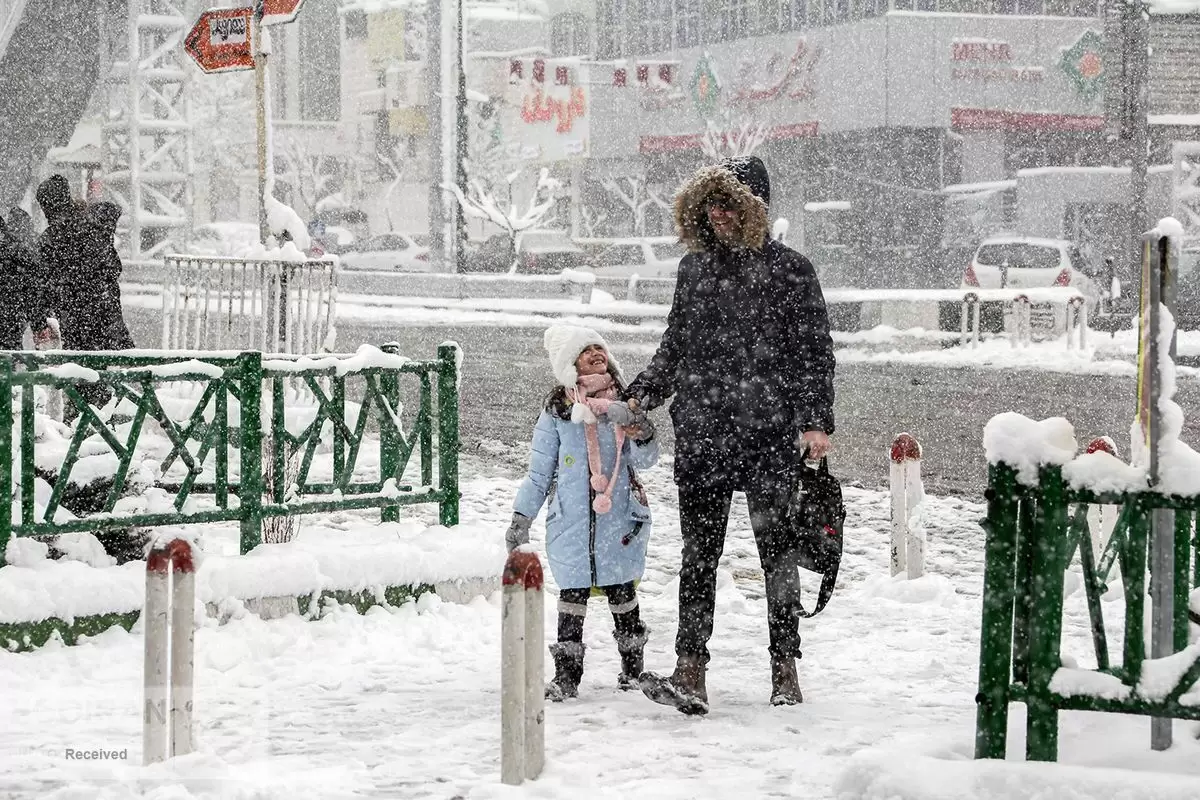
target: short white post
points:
(965, 321)
(1022, 321)
(975, 311)
(522, 686)
(1102, 520)
(631, 294)
(1083, 325)
(169, 652)
(908, 540)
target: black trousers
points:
(703, 520)
(622, 602)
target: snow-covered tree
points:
(311, 176)
(480, 201)
(732, 136)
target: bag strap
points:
(826, 592)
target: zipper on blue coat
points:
(592, 532)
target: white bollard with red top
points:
(1022, 333)
(908, 534)
(1102, 520)
(170, 653)
(522, 669)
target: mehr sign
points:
(548, 114)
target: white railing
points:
(274, 306)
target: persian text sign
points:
(220, 40)
(550, 112)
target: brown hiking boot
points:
(785, 686)
(684, 689)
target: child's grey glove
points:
(622, 416)
(518, 532)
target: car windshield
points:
(1018, 255)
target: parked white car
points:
(1019, 262)
(647, 257)
(229, 239)
(397, 251)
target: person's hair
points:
(558, 404)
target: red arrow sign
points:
(277, 12)
(220, 40)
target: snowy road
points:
(945, 407)
(404, 703)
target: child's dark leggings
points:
(622, 602)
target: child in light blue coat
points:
(587, 446)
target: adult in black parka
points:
(748, 358)
(83, 269)
(22, 280)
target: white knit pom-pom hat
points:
(564, 343)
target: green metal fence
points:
(1033, 534)
(234, 450)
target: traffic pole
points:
(260, 106)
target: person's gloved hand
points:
(642, 430)
(518, 532)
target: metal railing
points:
(1033, 534)
(276, 306)
(232, 444)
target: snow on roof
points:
(1037, 241)
(1175, 119)
(828, 205)
(1174, 6)
(1025, 444)
(979, 188)
(476, 9)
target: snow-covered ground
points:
(404, 703)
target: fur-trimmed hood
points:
(734, 179)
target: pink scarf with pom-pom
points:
(597, 393)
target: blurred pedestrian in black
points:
(21, 304)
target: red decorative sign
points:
(278, 12)
(220, 40)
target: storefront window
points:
(735, 18)
(687, 23)
(652, 31)
(569, 35)
(611, 16)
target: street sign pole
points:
(260, 105)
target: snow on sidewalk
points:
(404, 703)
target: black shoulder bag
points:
(816, 519)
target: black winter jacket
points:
(747, 353)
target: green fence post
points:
(1133, 578)
(250, 483)
(448, 433)
(27, 473)
(1024, 603)
(995, 656)
(1041, 736)
(278, 440)
(389, 439)
(1195, 551)
(1183, 534)
(221, 420)
(6, 453)
(337, 420)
